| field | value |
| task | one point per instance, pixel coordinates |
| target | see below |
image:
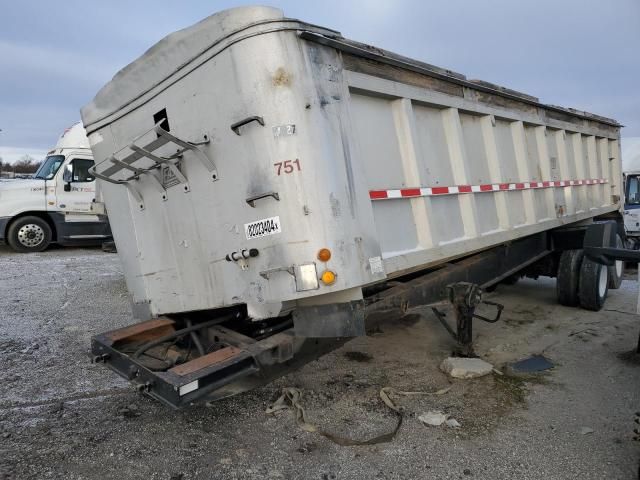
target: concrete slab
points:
(458, 367)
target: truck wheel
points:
(568, 277)
(616, 270)
(593, 285)
(29, 234)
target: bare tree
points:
(26, 164)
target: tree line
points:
(25, 164)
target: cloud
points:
(12, 154)
(630, 153)
(47, 62)
(562, 52)
(35, 126)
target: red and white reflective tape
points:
(490, 187)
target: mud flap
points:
(331, 320)
(601, 235)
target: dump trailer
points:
(273, 187)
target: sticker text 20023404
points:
(261, 228)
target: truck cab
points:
(632, 206)
(59, 204)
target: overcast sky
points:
(54, 56)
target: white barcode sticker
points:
(262, 228)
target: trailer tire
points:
(567, 281)
(616, 270)
(29, 234)
(593, 285)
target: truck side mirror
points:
(67, 177)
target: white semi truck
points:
(632, 207)
(631, 168)
(273, 186)
(59, 204)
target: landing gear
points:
(465, 297)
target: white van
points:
(58, 204)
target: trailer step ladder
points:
(147, 152)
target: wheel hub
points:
(602, 281)
(31, 235)
(619, 267)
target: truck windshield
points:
(633, 190)
(49, 167)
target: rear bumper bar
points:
(241, 364)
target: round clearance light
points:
(328, 277)
(324, 255)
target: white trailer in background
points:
(58, 204)
(270, 181)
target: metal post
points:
(195, 338)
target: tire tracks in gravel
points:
(111, 392)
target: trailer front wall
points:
(175, 249)
(455, 174)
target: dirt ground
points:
(62, 417)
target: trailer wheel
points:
(616, 271)
(593, 285)
(29, 234)
(568, 277)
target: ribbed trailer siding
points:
(454, 174)
(392, 164)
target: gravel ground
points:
(61, 417)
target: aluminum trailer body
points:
(261, 162)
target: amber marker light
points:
(328, 277)
(324, 255)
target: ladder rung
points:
(135, 156)
(147, 152)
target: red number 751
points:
(287, 166)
